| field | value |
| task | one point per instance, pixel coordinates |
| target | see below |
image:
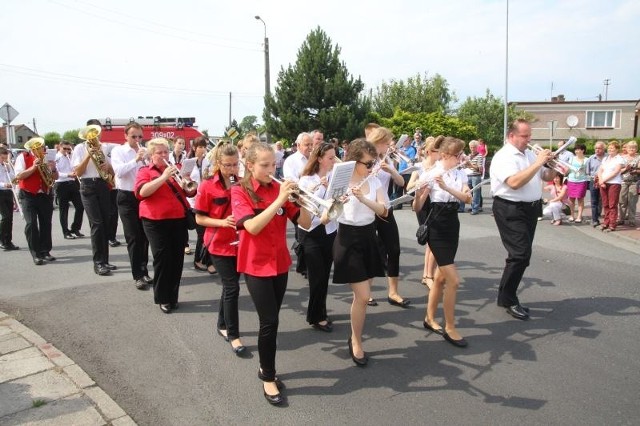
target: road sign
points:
(232, 133)
(8, 113)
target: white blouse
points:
(609, 164)
(453, 178)
(309, 182)
(357, 214)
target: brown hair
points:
(513, 127)
(313, 165)
(132, 125)
(251, 156)
(449, 145)
(358, 148)
(222, 150)
(379, 134)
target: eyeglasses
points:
(369, 164)
(136, 136)
(229, 166)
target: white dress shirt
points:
(508, 161)
(125, 166)
(293, 166)
(79, 153)
(63, 164)
(6, 176)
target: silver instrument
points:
(421, 183)
(8, 167)
(555, 163)
(187, 185)
(308, 200)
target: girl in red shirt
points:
(213, 211)
(261, 207)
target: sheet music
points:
(411, 169)
(187, 166)
(339, 181)
(50, 155)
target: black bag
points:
(422, 234)
(190, 217)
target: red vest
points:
(33, 183)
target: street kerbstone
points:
(2, 315)
(33, 337)
(78, 376)
(124, 421)
(73, 410)
(110, 410)
(5, 330)
(13, 344)
(19, 394)
(57, 357)
(13, 325)
(22, 363)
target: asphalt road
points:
(575, 362)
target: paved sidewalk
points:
(40, 385)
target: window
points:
(600, 118)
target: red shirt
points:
(265, 254)
(214, 200)
(162, 204)
(33, 184)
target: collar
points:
(255, 184)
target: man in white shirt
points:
(516, 184)
(68, 191)
(317, 137)
(126, 159)
(6, 201)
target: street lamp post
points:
(267, 78)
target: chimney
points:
(560, 98)
(554, 99)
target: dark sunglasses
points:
(369, 164)
(136, 136)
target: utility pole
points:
(267, 73)
(506, 79)
(229, 109)
(607, 82)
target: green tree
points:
(316, 93)
(433, 123)
(487, 114)
(248, 124)
(51, 139)
(72, 136)
(417, 94)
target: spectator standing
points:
(474, 175)
(629, 187)
(592, 167)
(610, 182)
(577, 183)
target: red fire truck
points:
(152, 127)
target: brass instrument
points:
(188, 185)
(556, 164)
(8, 167)
(90, 135)
(35, 146)
(308, 200)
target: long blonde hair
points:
(251, 156)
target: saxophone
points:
(35, 146)
(90, 135)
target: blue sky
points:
(68, 60)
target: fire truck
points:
(152, 127)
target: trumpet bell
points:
(90, 132)
(34, 143)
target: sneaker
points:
(78, 234)
(473, 213)
(141, 284)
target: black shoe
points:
(100, 269)
(238, 350)
(435, 330)
(524, 308)
(48, 258)
(110, 266)
(9, 247)
(404, 304)
(147, 279)
(226, 338)
(279, 383)
(276, 399)
(372, 302)
(517, 312)
(165, 307)
(174, 306)
(360, 362)
(114, 243)
(69, 236)
(199, 268)
(78, 234)
(38, 261)
(142, 284)
(459, 343)
(328, 328)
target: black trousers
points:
(137, 243)
(6, 216)
(112, 226)
(96, 200)
(201, 254)
(69, 192)
(267, 294)
(38, 212)
(166, 239)
(228, 314)
(389, 243)
(516, 223)
(318, 252)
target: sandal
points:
(571, 219)
(372, 302)
(425, 280)
(578, 220)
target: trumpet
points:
(308, 200)
(187, 185)
(399, 157)
(556, 164)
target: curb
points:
(38, 383)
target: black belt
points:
(451, 205)
(519, 203)
(92, 179)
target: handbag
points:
(189, 215)
(422, 234)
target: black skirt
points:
(444, 232)
(355, 254)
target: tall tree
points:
(72, 136)
(316, 92)
(418, 94)
(51, 139)
(487, 114)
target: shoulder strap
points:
(175, 192)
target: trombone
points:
(187, 185)
(308, 200)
